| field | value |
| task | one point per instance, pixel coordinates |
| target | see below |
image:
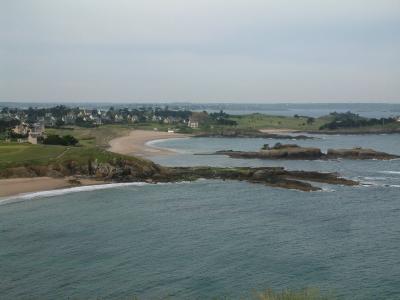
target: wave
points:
(389, 172)
(78, 189)
(326, 189)
(58, 192)
(375, 184)
(375, 178)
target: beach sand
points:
(15, 186)
(132, 144)
(136, 143)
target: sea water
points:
(211, 238)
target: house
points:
(36, 131)
(50, 121)
(193, 124)
(97, 121)
(70, 119)
(22, 129)
(196, 119)
(33, 138)
(169, 120)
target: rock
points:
(293, 151)
(359, 153)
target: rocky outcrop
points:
(271, 176)
(279, 151)
(121, 170)
(359, 153)
(295, 152)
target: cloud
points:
(200, 50)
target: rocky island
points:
(295, 152)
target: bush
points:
(66, 140)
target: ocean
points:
(211, 238)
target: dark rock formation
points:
(279, 151)
(295, 152)
(275, 176)
(146, 171)
(359, 153)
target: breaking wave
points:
(78, 189)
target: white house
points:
(193, 124)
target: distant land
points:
(372, 110)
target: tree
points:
(66, 140)
(310, 120)
(59, 123)
(70, 140)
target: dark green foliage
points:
(222, 118)
(66, 140)
(351, 120)
(83, 123)
(310, 120)
(59, 123)
(6, 124)
(13, 135)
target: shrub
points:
(66, 140)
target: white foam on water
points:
(58, 192)
(390, 172)
(326, 189)
(375, 178)
(154, 144)
(78, 189)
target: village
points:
(29, 125)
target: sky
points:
(266, 51)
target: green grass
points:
(13, 154)
(306, 294)
(92, 145)
(261, 121)
(98, 136)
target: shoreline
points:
(19, 186)
(138, 143)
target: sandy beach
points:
(136, 143)
(133, 144)
(15, 186)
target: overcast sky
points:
(200, 50)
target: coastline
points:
(16, 186)
(138, 143)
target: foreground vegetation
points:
(306, 294)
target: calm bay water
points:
(212, 238)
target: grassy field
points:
(97, 136)
(261, 121)
(18, 154)
(15, 155)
